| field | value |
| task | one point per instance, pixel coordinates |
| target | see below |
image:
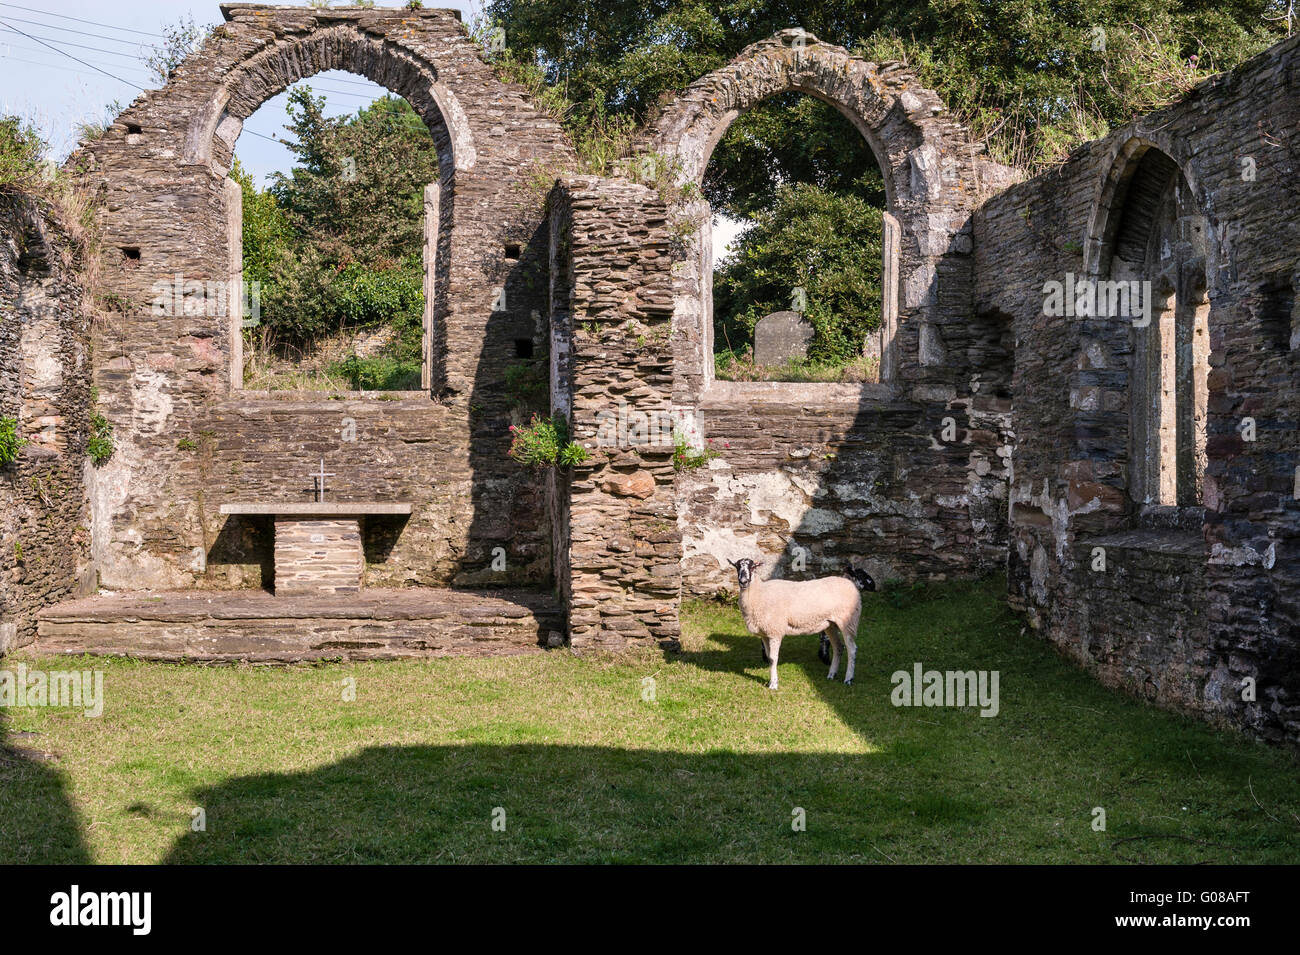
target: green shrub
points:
(100, 443)
(363, 297)
(10, 441)
(544, 442)
(380, 373)
(21, 150)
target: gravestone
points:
(780, 336)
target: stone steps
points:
(258, 627)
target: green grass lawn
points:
(586, 770)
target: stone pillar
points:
(234, 197)
(891, 235)
(624, 559)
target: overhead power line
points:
(71, 57)
(363, 83)
(94, 23)
(52, 66)
(51, 26)
(80, 46)
(6, 45)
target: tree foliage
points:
(1025, 73)
(337, 243)
(789, 138)
(825, 242)
(357, 185)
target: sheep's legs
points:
(773, 651)
(836, 644)
(766, 657)
(849, 632)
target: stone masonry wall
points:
(1186, 618)
(314, 557)
(815, 479)
(189, 439)
(624, 554)
(44, 536)
(407, 449)
(907, 478)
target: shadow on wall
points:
(509, 499)
(907, 490)
(38, 823)
(917, 478)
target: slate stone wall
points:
(624, 553)
(170, 382)
(814, 479)
(908, 477)
(44, 535)
(1192, 613)
(407, 449)
(315, 557)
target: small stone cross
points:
(319, 478)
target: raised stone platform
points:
(254, 626)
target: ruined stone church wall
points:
(906, 478)
(190, 439)
(822, 478)
(1188, 620)
(1000, 436)
(44, 386)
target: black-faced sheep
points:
(774, 609)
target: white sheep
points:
(774, 609)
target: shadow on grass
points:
(937, 785)
(38, 822)
(562, 803)
(1059, 746)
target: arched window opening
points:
(334, 221)
(801, 281)
(1158, 239)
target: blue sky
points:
(55, 92)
